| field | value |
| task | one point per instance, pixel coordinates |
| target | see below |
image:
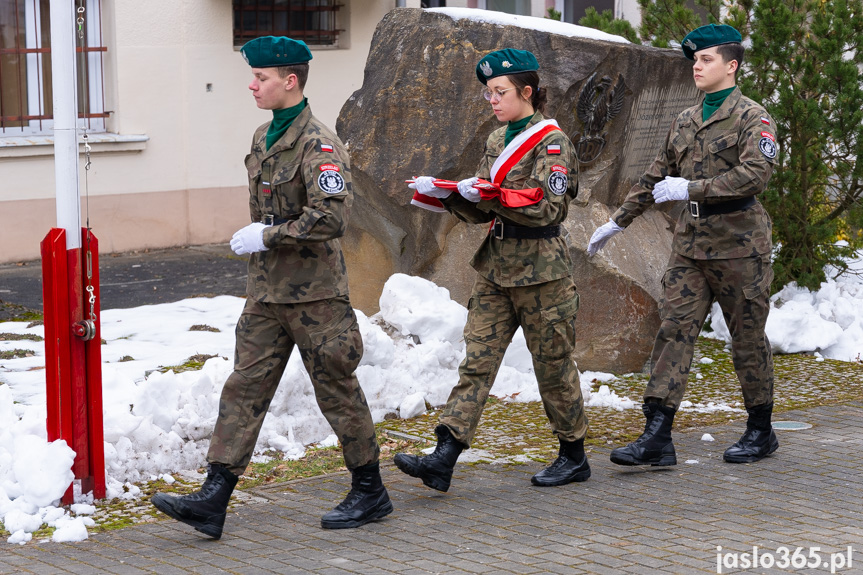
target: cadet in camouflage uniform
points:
(524, 274)
(300, 193)
(717, 157)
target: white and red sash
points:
(518, 147)
(509, 157)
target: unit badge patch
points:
(330, 180)
(557, 180)
(767, 145)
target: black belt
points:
(700, 209)
(271, 220)
(499, 231)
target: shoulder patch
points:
(767, 145)
(330, 180)
(326, 148)
(553, 149)
(557, 181)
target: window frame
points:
(92, 114)
(241, 35)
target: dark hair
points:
(731, 52)
(301, 71)
(538, 95)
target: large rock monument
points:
(420, 112)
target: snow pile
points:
(828, 322)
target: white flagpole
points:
(63, 79)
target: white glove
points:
(671, 189)
(425, 186)
(601, 236)
(249, 239)
(467, 191)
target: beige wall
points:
(186, 184)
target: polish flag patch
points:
(553, 149)
(765, 120)
(561, 169)
(331, 167)
(329, 148)
(768, 135)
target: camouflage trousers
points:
(329, 341)
(546, 312)
(742, 288)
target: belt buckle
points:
(497, 229)
(693, 209)
(267, 219)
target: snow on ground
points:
(159, 423)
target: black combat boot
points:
(435, 469)
(205, 509)
(758, 441)
(366, 501)
(654, 447)
(570, 465)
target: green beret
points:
(272, 51)
(503, 62)
(707, 36)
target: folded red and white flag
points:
(427, 202)
(488, 191)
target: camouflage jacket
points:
(519, 262)
(304, 181)
(728, 157)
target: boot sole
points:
(750, 458)
(663, 461)
(208, 528)
(379, 513)
(577, 478)
(434, 481)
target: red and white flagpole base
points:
(73, 356)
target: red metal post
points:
(93, 350)
(73, 366)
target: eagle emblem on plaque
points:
(597, 104)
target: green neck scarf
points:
(282, 120)
(513, 129)
(713, 101)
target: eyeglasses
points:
(494, 96)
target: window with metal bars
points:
(26, 98)
(313, 21)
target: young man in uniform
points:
(717, 157)
(300, 193)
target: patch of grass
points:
(120, 513)
(20, 337)
(15, 312)
(126, 358)
(194, 363)
(204, 327)
(15, 353)
(317, 461)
